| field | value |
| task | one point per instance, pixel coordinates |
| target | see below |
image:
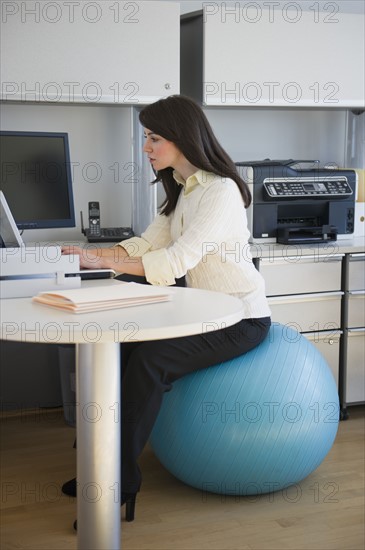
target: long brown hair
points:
(181, 120)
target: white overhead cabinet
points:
(274, 54)
(90, 52)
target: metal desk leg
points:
(98, 446)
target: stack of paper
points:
(98, 298)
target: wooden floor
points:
(325, 511)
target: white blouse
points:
(205, 239)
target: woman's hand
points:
(115, 258)
(89, 258)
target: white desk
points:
(97, 337)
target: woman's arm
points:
(129, 259)
(115, 258)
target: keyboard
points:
(90, 274)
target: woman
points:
(200, 234)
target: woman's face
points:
(161, 152)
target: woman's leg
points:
(150, 368)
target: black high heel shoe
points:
(69, 488)
(129, 499)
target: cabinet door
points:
(356, 272)
(308, 312)
(90, 52)
(283, 54)
(355, 380)
(301, 274)
(356, 312)
(355, 386)
(328, 343)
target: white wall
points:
(256, 134)
(100, 139)
(300, 134)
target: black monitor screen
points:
(36, 179)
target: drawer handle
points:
(295, 260)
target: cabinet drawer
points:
(356, 272)
(356, 314)
(355, 381)
(328, 344)
(309, 312)
(299, 275)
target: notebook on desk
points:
(10, 237)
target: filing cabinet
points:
(305, 292)
(308, 312)
(354, 334)
(355, 387)
(328, 343)
(299, 274)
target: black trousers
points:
(150, 368)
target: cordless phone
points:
(97, 234)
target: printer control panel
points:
(277, 188)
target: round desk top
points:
(190, 311)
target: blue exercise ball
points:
(256, 424)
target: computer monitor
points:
(36, 178)
(9, 233)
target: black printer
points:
(295, 202)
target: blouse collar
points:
(200, 177)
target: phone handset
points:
(94, 218)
